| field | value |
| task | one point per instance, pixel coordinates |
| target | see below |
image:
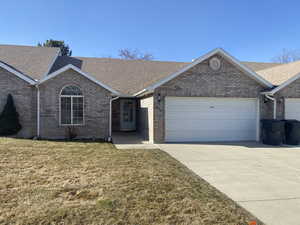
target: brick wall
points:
(96, 107)
(202, 81)
(290, 91)
(24, 96)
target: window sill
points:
(71, 125)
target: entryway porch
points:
(131, 140)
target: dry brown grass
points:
(44, 182)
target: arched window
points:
(71, 106)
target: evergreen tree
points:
(64, 48)
(9, 118)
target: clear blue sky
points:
(174, 30)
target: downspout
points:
(110, 118)
(274, 105)
(38, 111)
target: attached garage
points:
(292, 108)
(193, 119)
(215, 98)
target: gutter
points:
(274, 105)
(110, 118)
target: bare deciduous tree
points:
(135, 54)
(287, 56)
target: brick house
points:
(213, 98)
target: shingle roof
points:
(256, 66)
(29, 60)
(125, 76)
(279, 74)
(130, 76)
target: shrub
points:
(9, 118)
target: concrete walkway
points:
(264, 180)
(131, 140)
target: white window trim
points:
(71, 96)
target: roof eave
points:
(284, 84)
(18, 74)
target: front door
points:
(128, 110)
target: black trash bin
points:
(273, 132)
(292, 132)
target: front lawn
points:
(48, 182)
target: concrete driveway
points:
(264, 180)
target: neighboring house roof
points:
(280, 74)
(256, 66)
(70, 66)
(283, 85)
(32, 61)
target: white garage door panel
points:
(210, 136)
(216, 116)
(212, 125)
(292, 108)
(210, 119)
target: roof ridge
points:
(127, 60)
(29, 46)
(261, 62)
(163, 61)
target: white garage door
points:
(192, 119)
(292, 108)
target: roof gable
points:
(70, 66)
(125, 76)
(130, 76)
(17, 73)
(220, 51)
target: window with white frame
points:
(71, 106)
